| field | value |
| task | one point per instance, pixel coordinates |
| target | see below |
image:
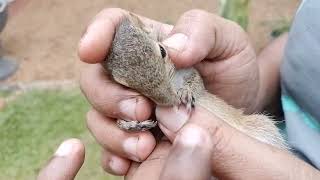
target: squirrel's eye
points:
(163, 51)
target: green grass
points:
(235, 10)
(31, 128)
(4, 93)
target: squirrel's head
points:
(137, 60)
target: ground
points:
(30, 132)
(43, 36)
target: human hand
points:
(65, 163)
(199, 150)
(218, 47)
(227, 64)
(233, 155)
(69, 157)
(185, 162)
(206, 146)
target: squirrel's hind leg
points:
(136, 125)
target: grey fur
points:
(136, 125)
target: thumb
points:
(190, 155)
(65, 163)
(172, 121)
(200, 35)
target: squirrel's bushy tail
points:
(264, 129)
(257, 126)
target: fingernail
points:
(177, 41)
(130, 147)
(64, 149)
(171, 118)
(128, 108)
(117, 165)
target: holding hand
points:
(65, 163)
(227, 64)
(221, 52)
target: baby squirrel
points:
(139, 61)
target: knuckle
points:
(105, 161)
(108, 158)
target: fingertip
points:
(145, 146)
(168, 134)
(140, 147)
(71, 147)
(178, 48)
(97, 39)
(78, 148)
(192, 38)
(189, 57)
(66, 161)
(94, 44)
(138, 108)
(144, 108)
(114, 164)
(172, 119)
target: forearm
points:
(269, 61)
(256, 160)
(271, 163)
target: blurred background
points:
(40, 103)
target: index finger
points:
(66, 162)
(98, 37)
(151, 167)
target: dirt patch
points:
(43, 37)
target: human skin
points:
(202, 147)
(65, 163)
(219, 52)
(230, 69)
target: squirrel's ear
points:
(138, 23)
(136, 20)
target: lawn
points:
(32, 126)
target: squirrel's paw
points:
(136, 125)
(187, 98)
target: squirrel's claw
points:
(186, 98)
